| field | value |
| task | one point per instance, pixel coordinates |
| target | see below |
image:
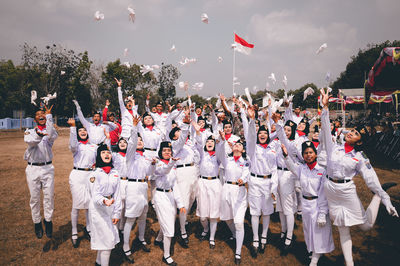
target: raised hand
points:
(106, 133)
(275, 117)
(324, 98)
(284, 150)
(222, 134)
(48, 110)
(136, 119)
(175, 159)
(196, 126)
(119, 82)
(252, 113)
(107, 102)
(40, 134)
(186, 119)
(182, 210)
(71, 122)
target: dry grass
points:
(18, 244)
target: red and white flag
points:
(242, 46)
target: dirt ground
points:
(19, 246)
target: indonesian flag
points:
(242, 46)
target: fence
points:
(11, 123)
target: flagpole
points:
(233, 71)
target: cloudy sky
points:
(286, 35)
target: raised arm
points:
(325, 124)
(245, 122)
(51, 131)
(82, 119)
(178, 145)
(132, 145)
(73, 140)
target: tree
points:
(166, 81)
(310, 102)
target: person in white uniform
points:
(136, 202)
(234, 193)
(40, 170)
(316, 224)
(105, 206)
(167, 197)
(187, 175)
(97, 131)
(343, 163)
(263, 180)
(209, 187)
(84, 154)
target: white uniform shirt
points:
(119, 163)
(209, 164)
(39, 148)
(235, 170)
(126, 116)
(342, 165)
(106, 185)
(84, 154)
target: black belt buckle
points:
(164, 190)
(109, 197)
(185, 165)
(150, 149)
(284, 169)
(83, 169)
(209, 177)
(137, 180)
(310, 197)
(261, 176)
(124, 178)
(338, 181)
(40, 164)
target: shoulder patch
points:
(247, 164)
(92, 179)
(364, 155)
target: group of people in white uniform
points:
(178, 157)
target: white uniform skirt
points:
(104, 234)
(318, 239)
(166, 211)
(136, 201)
(208, 198)
(260, 200)
(78, 183)
(286, 200)
(186, 178)
(345, 208)
(233, 203)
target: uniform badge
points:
(92, 179)
(246, 164)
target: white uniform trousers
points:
(260, 200)
(186, 178)
(41, 177)
(208, 198)
(233, 203)
(136, 202)
(286, 200)
(78, 183)
(165, 205)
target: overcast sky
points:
(286, 35)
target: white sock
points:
(239, 237)
(87, 220)
(204, 223)
(282, 218)
(182, 222)
(142, 226)
(231, 226)
(121, 223)
(290, 227)
(160, 236)
(371, 213)
(98, 258)
(314, 259)
(347, 244)
(127, 233)
(105, 257)
(74, 220)
(213, 228)
(167, 246)
(266, 219)
(255, 220)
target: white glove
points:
(389, 207)
(321, 220)
(298, 189)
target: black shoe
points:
(129, 258)
(143, 245)
(48, 227)
(74, 241)
(173, 263)
(39, 230)
(87, 233)
(238, 258)
(96, 264)
(159, 243)
(212, 244)
(261, 248)
(185, 240)
(299, 217)
(286, 248)
(253, 249)
(203, 236)
(388, 185)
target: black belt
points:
(83, 169)
(109, 197)
(124, 178)
(284, 169)
(40, 164)
(261, 176)
(185, 165)
(137, 180)
(341, 181)
(209, 177)
(234, 183)
(310, 197)
(150, 149)
(164, 190)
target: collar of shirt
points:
(211, 153)
(312, 165)
(122, 153)
(106, 169)
(41, 128)
(150, 127)
(348, 148)
(300, 133)
(236, 158)
(316, 143)
(264, 145)
(84, 141)
(164, 161)
(140, 152)
(202, 129)
(227, 136)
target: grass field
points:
(19, 246)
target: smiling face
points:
(228, 129)
(288, 131)
(177, 134)
(210, 144)
(122, 144)
(96, 118)
(198, 111)
(82, 133)
(129, 105)
(159, 108)
(297, 111)
(309, 155)
(201, 123)
(148, 120)
(315, 136)
(106, 156)
(353, 137)
(301, 126)
(111, 118)
(140, 144)
(40, 118)
(166, 153)
(237, 148)
(263, 137)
